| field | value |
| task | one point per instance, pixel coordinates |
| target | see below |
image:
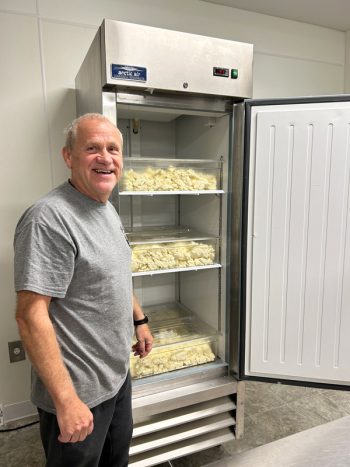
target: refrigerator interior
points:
(197, 137)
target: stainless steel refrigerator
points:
(231, 208)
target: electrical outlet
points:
(16, 351)
(1, 415)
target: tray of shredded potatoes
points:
(171, 248)
(159, 175)
(181, 340)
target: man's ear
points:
(67, 156)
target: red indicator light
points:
(218, 71)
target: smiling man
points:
(93, 152)
(75, 307)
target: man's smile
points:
(101, 171)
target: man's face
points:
(96, 160)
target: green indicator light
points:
(234, 73)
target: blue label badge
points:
(134, 73)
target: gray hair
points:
(70, 131)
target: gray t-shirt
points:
(73, 249)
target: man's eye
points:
(91, 149)
(114, 150)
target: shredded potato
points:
(170, 179)
(171, 255)
(180, 356)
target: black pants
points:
(106, 446)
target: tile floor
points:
(272, 411)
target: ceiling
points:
(334, 14)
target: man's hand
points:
(143, 334)
(75, 420)
(144, 342)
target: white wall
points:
(42, 44)
(347, 63)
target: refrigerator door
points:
(296, 256)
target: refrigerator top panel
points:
(142, 57)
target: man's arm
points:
(143, 333)
(39, 339)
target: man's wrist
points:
(138, 322)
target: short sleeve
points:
(44, 259)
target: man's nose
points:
(104, 156)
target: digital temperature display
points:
(218, 71)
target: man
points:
(75, 307)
